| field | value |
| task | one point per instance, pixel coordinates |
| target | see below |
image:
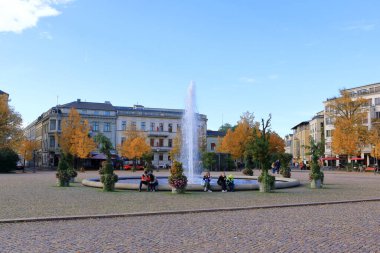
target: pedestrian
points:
(277, 164)
(273, 167)
(207, 182)
(222, 182)
(230, 183)
(144, 180)
(152, 182)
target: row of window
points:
(160, 127)
(95, 126)
(155, 142)
(105, 113)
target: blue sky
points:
(280, 57)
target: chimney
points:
(78, 100)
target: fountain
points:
(190, 160)
(190, 138)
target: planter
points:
(316, 184)
(265, 187)
(62, 183)
(178, 191)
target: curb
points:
(102, 216)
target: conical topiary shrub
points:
(177, 180)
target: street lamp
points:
(158, 159)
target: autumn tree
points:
(224, 128)
(175, 152)
(11, 132)
(74, 139)
(350, 135)
(134, 147)
(27, 149)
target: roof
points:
(211, 133)
(301, 124)
(89, 105)
(3, 92)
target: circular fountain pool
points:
(241, 183)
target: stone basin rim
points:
(280, 183)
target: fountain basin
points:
(242, 183)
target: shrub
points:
(248, 172)
(177, 179)
(285, 172)
(63, 174)
(108, 178)
(8, 160)
(267, 179)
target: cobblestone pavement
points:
(329, 228)
(24, 195)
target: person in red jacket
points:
(144, 180)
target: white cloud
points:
(17, 15)
(360, 27)
(247, 80)
(46, 35)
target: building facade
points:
(369, 92)
(213, 138)
(301, 139)
(159, 125)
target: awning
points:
(356, 158)
(329, 158)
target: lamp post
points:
(158, 159)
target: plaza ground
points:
(350, 227)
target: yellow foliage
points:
(27, 147)
(177, 144)
(350, 135)
(74, 138)
(134, 146)
(235, 141)
(276, 143)
(11, 133)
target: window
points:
(133, 125)
(377, 115)
(178, 127)
(142, 126)
(107, 127)
(170, 143)
(52, 141)
(95, 126)
(169, 158)
(377, 101)
(53, 124)
(96, 112)
(170, 127)
(329, 121)
(213, 146)
(152, 126)
(84, 111)
(328, 133)
(161, 143)
(161, 157)
(107, 113)
(59, 125)
(124, 125)
(151, 142)
(161, 128)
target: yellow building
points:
(301, 139)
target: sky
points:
(276, 57)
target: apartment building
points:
(213, 138)
(301, 139)
(159, 125)
(371, 92)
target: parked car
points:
(130, 166)
(20, 165)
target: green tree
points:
(8, 160)
(208, 160)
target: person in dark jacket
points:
(222, 182)
(144, 180)
(152, 182)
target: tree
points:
(74, 139)
(259, 147)
(8, 160)
(208, 160)
(175, 152)
(11, 132)
(134, 146)
(27, 149)
(235, 141)
(224, 128)
(276, 143)
(316, 151)
(107, 176)
(350, 135)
